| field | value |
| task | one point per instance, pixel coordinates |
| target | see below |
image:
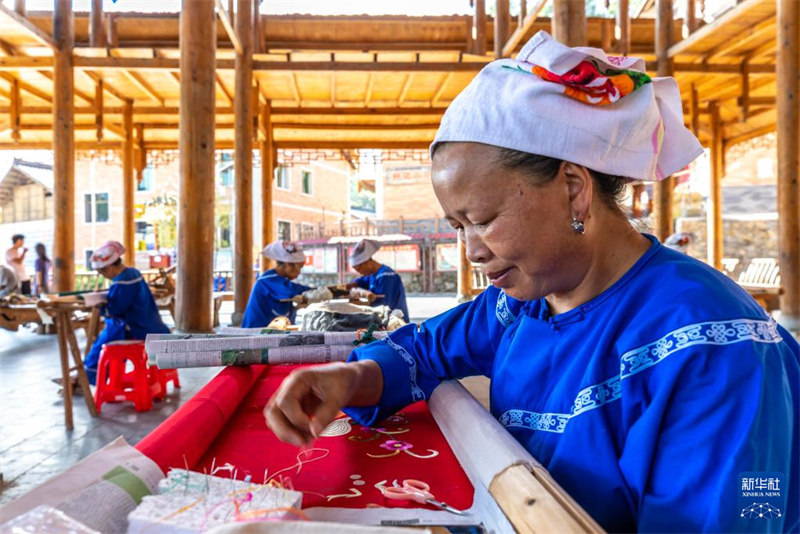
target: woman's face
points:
(519, 233)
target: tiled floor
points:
(34, 444)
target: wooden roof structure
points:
(82, 81)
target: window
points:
(285, 230)
(307, 182)
(88, 255)
(95, 207)
(307, 230)
(148, 177)
(282, 177)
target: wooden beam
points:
(368, 92)
(28, 88)
(502, 22)
(140, 156)
(758, 132)
(228, 95)
(788, 61)
(96, 36)
(711, 29)
(112, 39)
(98, 104)
(336, 145)
(89, 99)
(714, 211)
(744, 100)
(349, 127)
(267, 172)
(332, 86)
(479, 27)
(25, 62)
(695, 111)
(243, 162)
(225, 19)
(623, 26)
(404, 90)
(28, 27)
(569, 22)
(691, 17)
(663, 190)
(144, 86)
(196, 191)
(19, 7)
(523, 29)
(765, 26)
(295, 89)
(127, 184)
(15, 111)
(258, 34)
(437, 95)
(107, 88)
(63, 149)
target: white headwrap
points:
(284, 251)
(363, 251)
(104, 256)
(577, 105)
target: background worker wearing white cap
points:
(130, 312)
(647, 383)
(275, 285)
(378, 278)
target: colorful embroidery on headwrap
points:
(592, 84)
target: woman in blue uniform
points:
(650, 385)
(275, 285)
(131, 311)
(378, 278)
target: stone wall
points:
(744, 237)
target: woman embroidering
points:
(642, 379)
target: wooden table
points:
(12, 316)
(219, 298)
(63, 313)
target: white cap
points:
(104, 256)
(577, 105)
(363, 251)
(284, 251)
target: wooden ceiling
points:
(345, 81)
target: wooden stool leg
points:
(67, 382)
(83, 380)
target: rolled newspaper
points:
(164, 343)
(294, 355)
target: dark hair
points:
(543, 169)
(41, 251)
(16, 237)
(118, 262)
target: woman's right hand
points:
(309, 399)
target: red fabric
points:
(246, 443)
(190, 430)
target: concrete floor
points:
(34, 444)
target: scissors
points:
(416, 490)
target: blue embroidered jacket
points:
(644, 403)
(386, 282)
(130, 313)
(265, 299)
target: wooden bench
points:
(762, 279)
(219, 298)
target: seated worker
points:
(378, 278)
(275, 285)
(130, 312)
(650, 385)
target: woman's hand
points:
(309, 399)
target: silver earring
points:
(577, 226)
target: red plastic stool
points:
(162, 377)
(114, 384)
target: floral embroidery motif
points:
(402, 446)
(502, 312)
(592, 83)
(639, 359)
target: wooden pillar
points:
(243, 162)
(788, 102)
(714, 211)
(127, 184)
(196, 207)
(63, 149)
(96, 37)
(569, 22)
(140, 154)
(691, 17)
(268, 162)
(502, 22)
(479, 28)
(663, 190)
(464, 273)
(19, 7)
(623, 28)
(256, 31)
